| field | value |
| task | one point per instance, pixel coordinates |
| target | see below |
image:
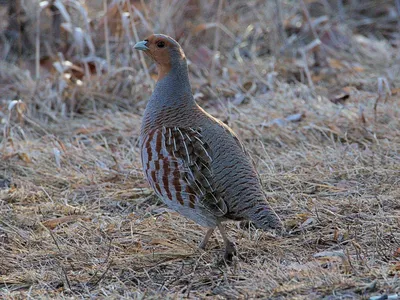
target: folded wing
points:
(177, 164)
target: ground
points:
(313, 93)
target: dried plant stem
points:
(279, 21)
(135, 34)
(217, 38)
(37, 54)
(106, 34)
(306, 69)
(383, 93)
(20, 33)
(308, 18)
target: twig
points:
(382, 93)
(397, 3)
(327, 6)
(136, 36)
(106, 270)
(56, 25)
(306, 69)
(320, 50)
(18, 11)
(37, 54)
(279, 22)
(216, 41)
(59, 249)
(308, 18)
(106, 34)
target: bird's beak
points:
(141, 46)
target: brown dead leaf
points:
(336, 235)
(318, 77)
(396, 267)
(64, 149)
(21, 109)
(114, 11)
(89, 130)
(23, 156)
(335, 129)
(226, 91)
(348, 89)
(397, 253)
(53, 223)
(199, 28)
(84, 131)
(338, 96)
(12, 189)
(160, 242)
(358, 69)
(335, 63)
(395, 91)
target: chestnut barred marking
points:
(177, 164)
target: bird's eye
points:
(160, 44)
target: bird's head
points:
(164, 50)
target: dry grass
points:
(77, 219)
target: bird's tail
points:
(265, 218)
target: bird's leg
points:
(206, 238)
(230, 249)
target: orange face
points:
(162, 50)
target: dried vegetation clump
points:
(311, 87)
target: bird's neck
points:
(173, 88)
(172, 101)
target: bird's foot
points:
(230, 251)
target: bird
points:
(193, 161)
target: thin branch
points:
(106, 34)
(136, 36)
(217, 39)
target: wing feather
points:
(182, 170)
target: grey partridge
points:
(193, 161)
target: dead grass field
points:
(77, 219)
